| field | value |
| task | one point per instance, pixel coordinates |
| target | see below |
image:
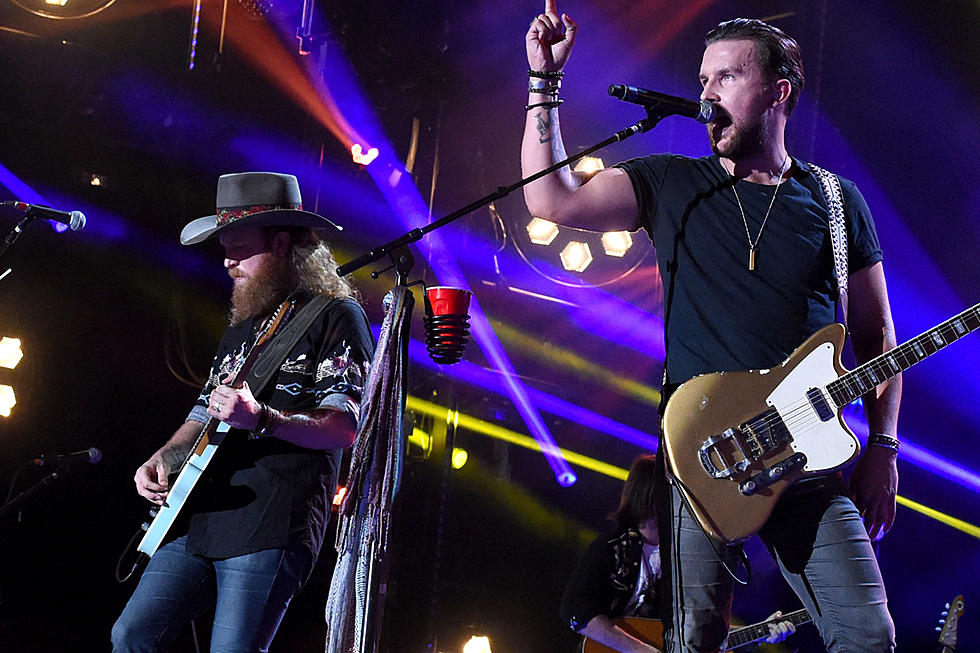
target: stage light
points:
(616, 243)
(422, 440)
(361, 156)
(7, 400)
(63, 9)
(195, 28)
(541, 231)
(338, 498)
(459, 458)
(477, 644)
(589, 165)
(576, 256)
(10, 352)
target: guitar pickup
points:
(820, 404)
(770, 475)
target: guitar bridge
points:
(712, 444)
(746, 443)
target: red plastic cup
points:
(448, 301)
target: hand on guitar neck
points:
(153, 477)
(629, 634)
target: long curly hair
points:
(314, 265)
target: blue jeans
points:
(822, 549)
(250, 594)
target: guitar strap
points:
(283, 342)
(833, 197)
(830, 187)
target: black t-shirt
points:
(723, 317)
(267, 493)
(605, 580)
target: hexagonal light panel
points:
(589, 164)
(616, 243)
(7, 400)
(541, 231)
(10, 352)
(576, 256)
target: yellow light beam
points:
(492, 430)
(500, 433)
(570, 361)
(949, 520)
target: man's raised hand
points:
(549, 40)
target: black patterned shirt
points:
(267, 493)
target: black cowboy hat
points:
(255, 199)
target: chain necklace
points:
(748, 235)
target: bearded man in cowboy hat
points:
(249, 534)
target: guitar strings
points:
(802, 416)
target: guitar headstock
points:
(947, 631)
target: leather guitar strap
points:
(283, 342)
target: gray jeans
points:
(818, 540)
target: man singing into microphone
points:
(254, 524)
(744, 248)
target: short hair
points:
(779, 53)
(636, 504)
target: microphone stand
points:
(402, 262)
(398, 246)
(28, 493)
(16, 232)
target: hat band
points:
(227, 215)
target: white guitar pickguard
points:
(826, 444)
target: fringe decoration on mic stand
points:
(354, 604)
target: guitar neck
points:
(862, 380)
(755, 632)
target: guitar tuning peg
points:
(944, 613)
(938, 629)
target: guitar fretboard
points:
(862, 380)
(755, 632)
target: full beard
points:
(261, 294)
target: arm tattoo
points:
(544, 128)
(174, 455)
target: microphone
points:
(90, 455)
(74, 219)
(665, 105)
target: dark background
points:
(117, 320)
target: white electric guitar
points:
(204, 448)
(736, 440)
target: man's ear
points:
(783, 88)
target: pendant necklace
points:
(754, 245)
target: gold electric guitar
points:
(736, 440)
(651, 631)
